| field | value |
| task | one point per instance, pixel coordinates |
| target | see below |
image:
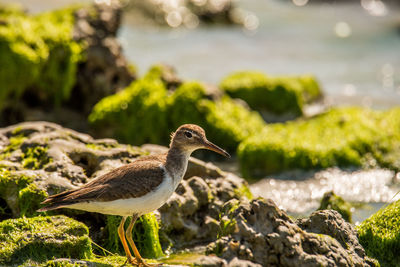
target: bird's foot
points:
(142, 263)
(131, 260)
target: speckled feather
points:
(130, 181)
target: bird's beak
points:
(215, 148)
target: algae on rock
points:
(331, 201)
(341, 137)
(146, 111)
(380, 235)
(279, 95)
(39, 53)
(40, 159)
(39, 239)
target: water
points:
(299, 192)
(353, 54)
(363, 68)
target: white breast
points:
(140, 205)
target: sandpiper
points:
(139, 187)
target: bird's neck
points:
(176, 163)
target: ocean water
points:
(355, 55)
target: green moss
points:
(145, 236)
(331, 201)
(136, 115)
(28, 195)
(29, 199)
(14, 143)
(275, 94)
(35, 157)
(146, 112)
(229, 123)
(244, 190)
(40, 55)
(340, 137)
(380, 235)
(42, 238)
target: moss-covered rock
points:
(147, 112)
(278, 95)
(56, 57)
(39, 53)
(39, 159)
(380, 235)
(20, 194)
(331, 201)
(135, 115)
(340, 137)
(39, 239)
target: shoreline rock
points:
(57, 57)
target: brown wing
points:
(129, 181)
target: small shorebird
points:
(137, 188)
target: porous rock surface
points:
(264, 234)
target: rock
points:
(188, 13)
(63, 55)
(42, 238)
(331, 201)
(105, 68)
(307, 144)
(41, 158)
(242, 263)
(263, 234)
(330, 222)
(210, 261)
(191, 215)
(149, 103)
(282, 96)
(379, 235)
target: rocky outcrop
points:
(188, 13)
(41, 158)
(60, 63)
(260, 232)
(105, 68)
(41, 238)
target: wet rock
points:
(264, 234)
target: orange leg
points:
(139, 259)
(129, 257)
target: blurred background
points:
(350, 45)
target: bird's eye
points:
(188, 134)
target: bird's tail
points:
(56, 201)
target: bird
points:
(137, 188)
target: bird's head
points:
(190, 137)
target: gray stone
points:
(265, 235)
